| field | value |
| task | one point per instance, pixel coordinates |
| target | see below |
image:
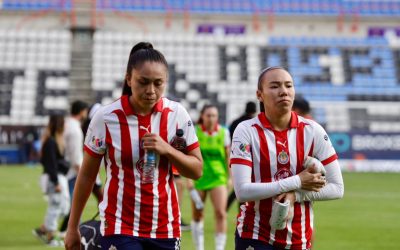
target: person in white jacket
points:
(73, 139)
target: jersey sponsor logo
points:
(283, 157)
(282, 173)
(241, 149)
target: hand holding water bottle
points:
(153, 145)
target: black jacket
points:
(52, 160)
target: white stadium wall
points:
(330, 68)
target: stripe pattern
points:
(276, 155)
(130, 207)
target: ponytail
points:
(141, 53)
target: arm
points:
(334, 189)
(83, 188)
(189, 165)
(248, 191)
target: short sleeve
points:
(186, 124)
(95, 141)
(241, 146)
(323, 148)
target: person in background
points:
(250, 112)
(137, 212)
(73, 137)
(53, 181)
(214, 145)
(302, 107)
(268, 167)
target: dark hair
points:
(205, 107)
(56, 124)
(264, 71)
(302, 105)
(251, 108)
(139, 54)
(78, 106)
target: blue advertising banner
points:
(366, 145)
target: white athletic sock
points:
(198, 234)
(220, 240)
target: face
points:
(277, 91)
(147, 83)
(83, 115)
(210, 117)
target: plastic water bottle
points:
(198, 203)
(149, 165)
(179, 142)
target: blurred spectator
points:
(250, 112)
(73, 137)
(302, 107)
(53, 181)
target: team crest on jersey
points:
(282, 173)
(283, 157)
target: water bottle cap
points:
(179, 132)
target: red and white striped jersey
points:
(130, 207)
(275, 155)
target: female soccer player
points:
(214, 145)
(267, 158)
(136, 214)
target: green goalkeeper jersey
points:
(215, 172)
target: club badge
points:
(283, 157)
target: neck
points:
(279, 122)
(76, 117)
(138, 109)
(210, 128)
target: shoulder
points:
(245, 124)
(172, 105)
(314, 127)
(110, 107)
(50, 142)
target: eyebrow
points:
(278, 82)
(148, 79)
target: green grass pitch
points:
(367, 218)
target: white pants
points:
(58, 203)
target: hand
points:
(291, 197)
(286, 196)
(155, 142)
(57, 188)
(72, 239)
(189, 184)
(229, 185)
(310, 180)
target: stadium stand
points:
(350, 74)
